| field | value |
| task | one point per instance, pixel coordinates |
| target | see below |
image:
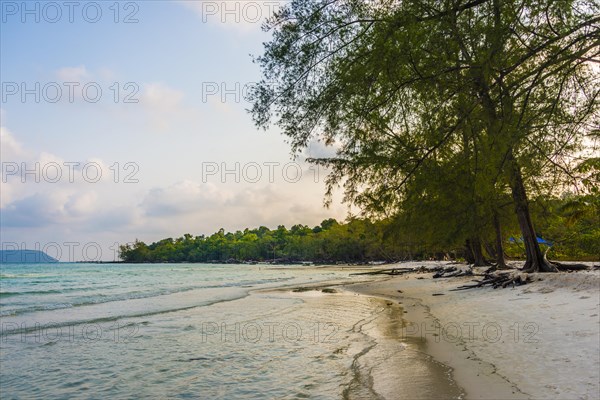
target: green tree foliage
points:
(358, 240)
(572, 224)
(439, 107)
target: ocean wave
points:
(31, 293)
(101, 298)
(24, 329)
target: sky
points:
(127, 120)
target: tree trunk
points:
(500, 262)
(478, 253)
(535, 261)
(474, 254)
(490, 249)
(469, 256)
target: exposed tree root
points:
(491, 277)
(439, 272)
(499, 279)
(496, 267)
(542, 265)
(553, 266)
(570, 267)
(393, 271)
(452, 272)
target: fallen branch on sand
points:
(570, 267)
(452, 272)
(498, 279)
(439, 271)
(393, 271)
(491, 277)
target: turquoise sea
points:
(202, 331)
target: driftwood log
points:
(452, 272)
(398, 271)
(570, 267)
(498, 280)
(438, 272)
(490, 277)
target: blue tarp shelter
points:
(539, 240)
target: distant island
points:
(25, 257)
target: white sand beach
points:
(537, 341)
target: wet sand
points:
(397, 365)
(476, 378)
(386, 362)
(537, 341)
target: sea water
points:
(203, 331)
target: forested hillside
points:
(571, 225)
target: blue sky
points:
(167, 120)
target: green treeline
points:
(571, 224)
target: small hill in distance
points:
(25, 257)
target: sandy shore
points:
(538, 341)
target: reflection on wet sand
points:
(387, 363)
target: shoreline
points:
(540, 340)
(337, 336)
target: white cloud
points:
(192, 207)
(11, 152)
(106, 74)
(81, 204)
(163, 104)
(39, 209)
(10, 148)
(73, 74)
(46, 158)
(68, 189)
(160, 97)
(75, 83)
(184, 197)
(186, 206)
